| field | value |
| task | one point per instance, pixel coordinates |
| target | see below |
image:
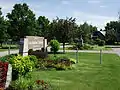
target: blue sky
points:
(95, 12)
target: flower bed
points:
(3, 73)
(58, 63)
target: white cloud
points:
(103, 6)
(65, 2)
(6, 8)
(94, 1)
(97, 20)
(49, 15)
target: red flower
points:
(1, 68)
(38, 81)
(3, 71)
(42, 82)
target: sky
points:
(95, 12)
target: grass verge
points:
(88, 74)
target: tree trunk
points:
(63, 47)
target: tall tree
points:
(22, 21)
(3, 28)
(112, 32)
(85, 30)
(63, 29)
(43, 24)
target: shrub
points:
(59, 63)
(100, 42)
(7, 58)
(87, 47)
(84, 47)
(55, 45)
(34, 59)
(73, 61)
(21, 84)
(30, 51)
(40, 54)
(60, 66)
(21, 65)
(24, 83)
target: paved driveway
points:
(116, 50)
(6, 52)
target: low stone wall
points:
(9, 76)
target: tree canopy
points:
(22, 21)
(63, 29)
(85, 30)
(3, 28)
(112, 32)
(43, 24)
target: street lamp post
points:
(79, 42)
(76, 55)
(9, 42)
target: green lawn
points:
(87, 75)
(95, 47)
(5, 47)
(1, 50)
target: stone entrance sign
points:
(32, 42)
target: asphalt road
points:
(114, 51)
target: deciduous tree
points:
(22, 21)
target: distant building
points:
(99, 34)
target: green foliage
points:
(112, 32)
(60, 66)
(100, 42)
(52, 58)
(55, 45)
(87, 72)
(34, 59)
(43, 24)
(39, 54)
(59, 63)
(25, 83)
(87, 47)
(3, 28)
(73, 60)
(7, 58)
(63, 29)
(22, 21)
(30, 51)
(21, 84)
(84, 47)
(62, 58)
(21, 64)
(85, 30)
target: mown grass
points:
(88, 74)
(1, 50)
(95, 47)
(5, 47)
